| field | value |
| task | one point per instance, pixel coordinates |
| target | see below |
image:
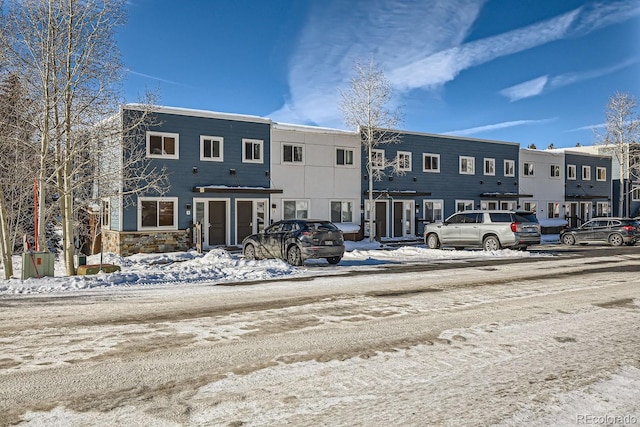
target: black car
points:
(614, 231)
(296, 240)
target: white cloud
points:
(526, 89)
(497, 126)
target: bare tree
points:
(622, 128)
(365, 105)
(67, 51)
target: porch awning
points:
(226, 189)
(397, 193)
(495, 195)
(584, 197)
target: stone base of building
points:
(125, 243)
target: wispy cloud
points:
(159, 79)
(545, 84)
(418, 44)
(498, 126)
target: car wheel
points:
(616, 240)
(250, 252)
(433, 242)
(334, 259)
(491, 243)
(294, 256)
(568, 239)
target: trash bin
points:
(37, 264)
(81, 259)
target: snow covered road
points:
(546, 342)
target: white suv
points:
(490, 230)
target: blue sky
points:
(529, 71)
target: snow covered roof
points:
(200, 113)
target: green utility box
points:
(37, 264)
(84, 270)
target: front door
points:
(245, 219)
(217, 223)
(572, 214)
(403, 218)
(381, 219)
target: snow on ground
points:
(220, 266)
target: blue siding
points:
(589, 190)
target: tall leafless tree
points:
(620, 138)
(67, 52)
(366, 106)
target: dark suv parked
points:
(296, 240)
(490, 230)
(614, 231)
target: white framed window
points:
(635, 193)
(105, 213)
(508, 205)
(292, 153)
(489, 166)
(157, 213)
(553, 210)
(252, 150)
(341, 211)
(464, 205)
(529, 206)
(211, 148)
(571, 172)
(602, 208)
(489, 205)
(554, 171)
(163, 145)
(601, 173)
(430, 162)
(404, 160)
(433, 210)
(344, 157)
(586, 173)
(528, 169)
(467, 165)
(509, 168)
(295, 209)
(377, 158)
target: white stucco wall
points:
(317, 178)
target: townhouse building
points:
(587, 186)
(542, 175)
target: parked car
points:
(490, 230)
(295, 241)
(614, 231)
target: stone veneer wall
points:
(125, 243)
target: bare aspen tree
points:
(67, 51)
(620, 139)
(365, 105)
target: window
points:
(635, 193)
(105, 213)
(467, 165)
(509, 168)
(162, 145)
(430, 162)
(291, 153)
(527, 169)
(489, 166)
(433, 210)
(158, 213)
(211, 148)
(341, 211)
(404, 160)
(377, 159)
(296, 209)
(252, 151)
(554, 171)
(602, 208)
(553, 210)
(464, 205)
(571, 172)
(586, 173)
(489, 205)
(507, 205)
(529, 206)
(344, 157)
(601, 174)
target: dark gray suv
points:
(614, 231)
(490, 230)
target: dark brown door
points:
(245, 219)
(381, 220)
(217, 223)
(397, 219)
